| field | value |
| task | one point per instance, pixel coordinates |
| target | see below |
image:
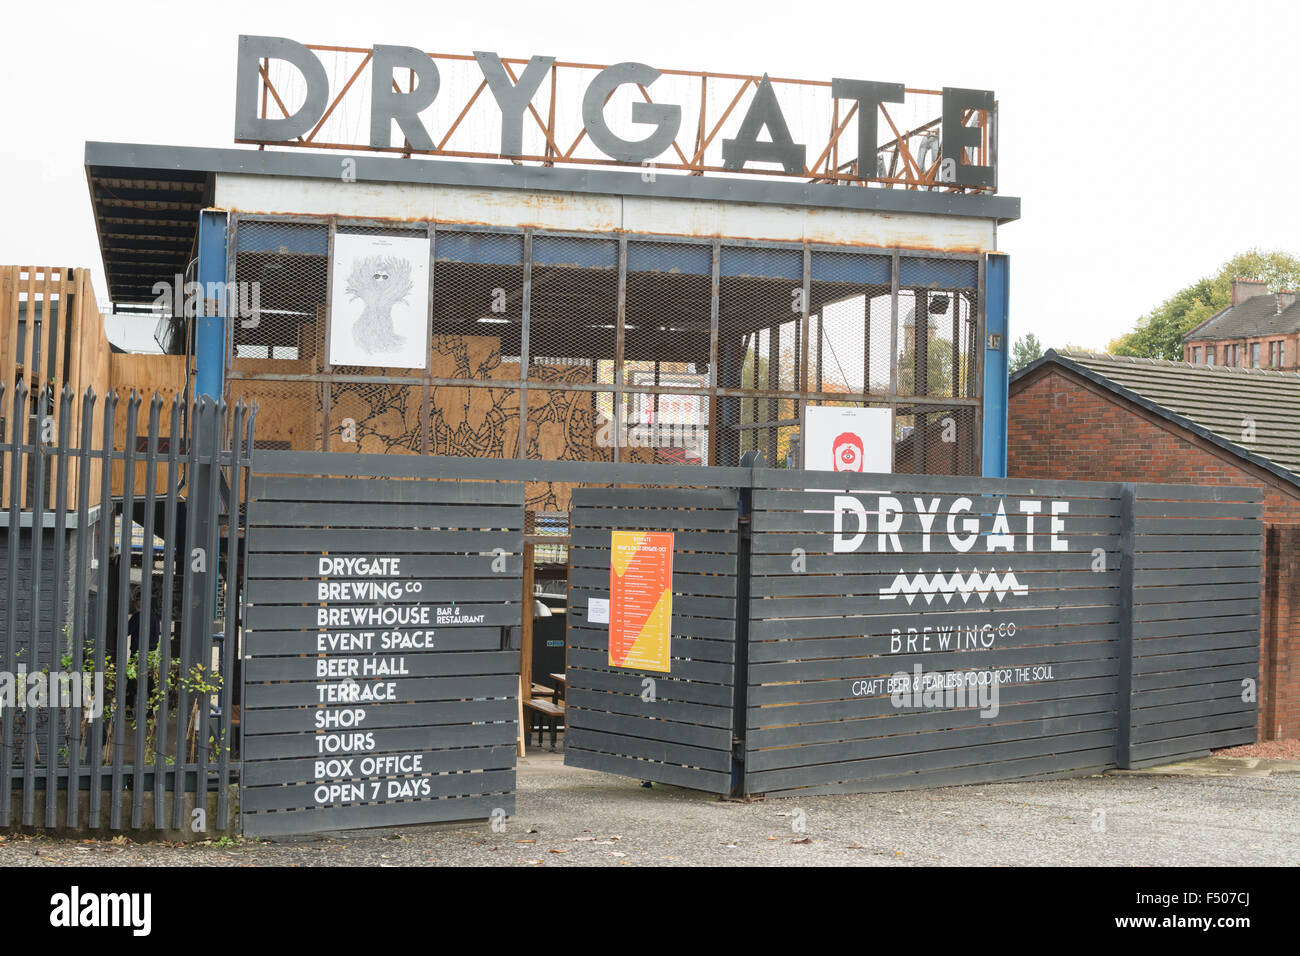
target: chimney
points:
(1243, 289)
(1285, 299)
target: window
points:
(1209, 355)
(1233, 354)
(1276, 353)
(1196, 355)
(1254, 355)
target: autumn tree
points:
(1159, 333)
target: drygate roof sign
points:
(841, 130)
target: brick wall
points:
(1279, 705)
(1062, 426)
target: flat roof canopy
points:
(147, 220)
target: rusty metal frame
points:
(825, 168)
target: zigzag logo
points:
(955, 584)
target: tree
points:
(1027, 349)
(1159, 333)
(938, 360)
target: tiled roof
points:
(1258, 315)
(1220, 400)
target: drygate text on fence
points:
(359, 653)
(1118, 625)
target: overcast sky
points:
(1148, 142)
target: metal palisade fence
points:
(116, 673)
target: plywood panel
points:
(145, 375)
(288, 413)
(74, 334)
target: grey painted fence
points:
(676, 727)
(1120, 630)
(1196, 586)
(1121, 623)
(380, 686)
(147, 737)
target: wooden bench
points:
(542, 691)
(543, 713)
(561, 685)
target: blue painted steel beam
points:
(210, 321)
(997, 348)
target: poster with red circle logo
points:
(848, 439)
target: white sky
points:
(1148, 142)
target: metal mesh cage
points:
(761, 304)
(574, 314)
(935, 440)
(478, 305)
(937, 327)
(290, 414)
(665, 428)
(474, 422)
(667, 346)
(850, 323)
(628, 349)
(281, 281)
(376, 418)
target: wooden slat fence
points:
(1197, 558)
(678, 728)
(380, 682)
(1051, 614)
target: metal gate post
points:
(1124, 706)
(740, 671)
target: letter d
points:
(842, 543)
(250, 126)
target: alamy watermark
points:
(176, 297)
(946, 690)
(649, 434)
(37, 690)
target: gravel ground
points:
(575, 817)
(1288, 749)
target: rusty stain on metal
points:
(918, 242)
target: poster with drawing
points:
(379, 301)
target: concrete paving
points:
(1220, 766)
(1222, 813)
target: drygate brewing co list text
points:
(362, 675)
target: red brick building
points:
(1078, 415)
(1261, 329)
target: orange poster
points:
(641, 599)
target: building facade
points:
(1261, 329)
(561, 307)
